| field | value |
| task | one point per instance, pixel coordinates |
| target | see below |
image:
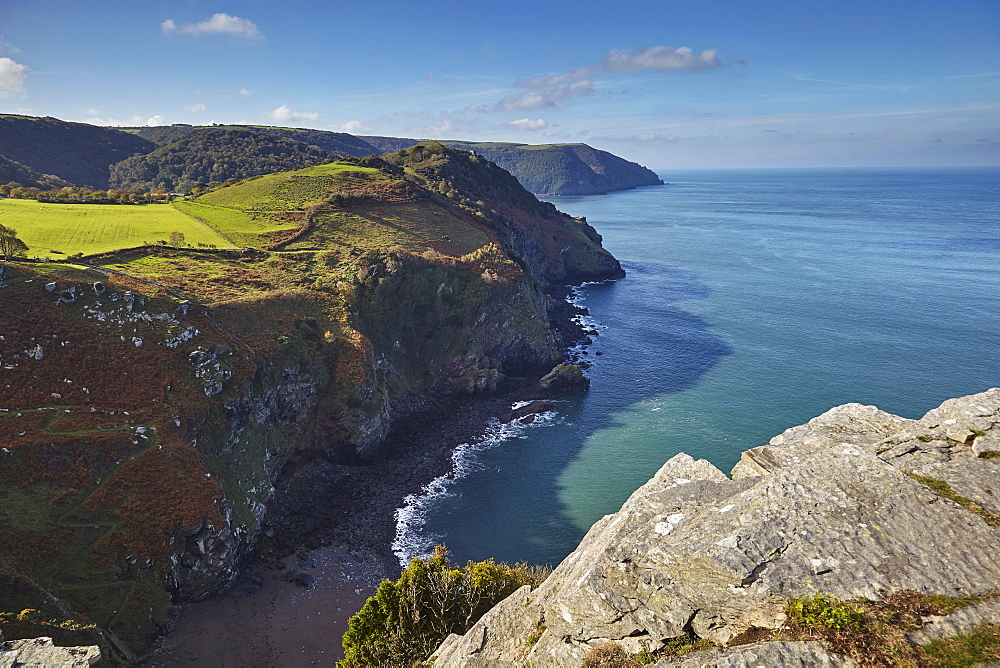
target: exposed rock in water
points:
(854, 504)
(564, 379)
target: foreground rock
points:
(841, 506)
(41, 652)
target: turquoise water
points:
(755, 300)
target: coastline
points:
(332, 525)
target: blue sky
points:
(749, 83)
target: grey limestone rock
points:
(785, 654)
(38, 652)
(836, 506)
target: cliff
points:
(153, 397)
(856, 505)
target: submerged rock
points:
(854, 504)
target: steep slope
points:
(15, 172)
(152, 399)
(856, 504)
(214, 155)
(551, 169)
(76, 152)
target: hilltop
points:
(75, 152)
(153, 396)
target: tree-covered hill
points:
(215, 155)
(14, 172)
(337, 143)
(77, 152)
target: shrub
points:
(407, 619)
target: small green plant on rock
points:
(407, 619)
(824, 612)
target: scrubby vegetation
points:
(407, 619)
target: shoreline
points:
(331, 526)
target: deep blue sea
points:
(755, 300)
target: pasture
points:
(98, 228)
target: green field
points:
(98, 228)
(241, 226)
(287, 191)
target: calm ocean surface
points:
(755, 300)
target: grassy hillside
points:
(214, 156)
(99, 228)
(79, 153)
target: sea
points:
(754, 301)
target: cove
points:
(755, 300)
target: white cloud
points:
(194, 107)
(24, 111)
(661, 59)
(131, 122)
(353, 127)
(528, 124)
(546, 97)
(244, 92)
(217, 24)
(550, 89)
(284, 113)
(12, 76)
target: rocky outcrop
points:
(41, 652)
(854, 504)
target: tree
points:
(176, 238)
(407, 619)
(10, 245)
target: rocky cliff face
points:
(855, 504)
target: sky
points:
(670, 84)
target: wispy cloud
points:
(12, 76)
(284, 113)
(217, 24)
(854, 85)
(245, 92)
(6, 48)
(551, 89)
(546, 97)
(662, 59)
(194, 107)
